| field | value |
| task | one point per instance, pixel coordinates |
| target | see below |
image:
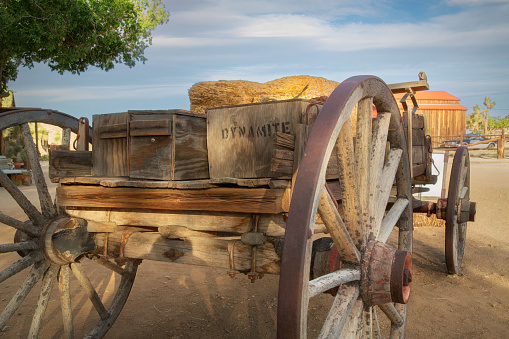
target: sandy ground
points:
(177, 301)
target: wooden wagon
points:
(309, 190)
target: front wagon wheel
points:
(370, 278)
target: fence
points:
(473, 142)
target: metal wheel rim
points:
(455, 233)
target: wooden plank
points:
(69, 164)
(150, 156)
(190, 158)
(138, 128)
(245, 200)
(285, 140)
(109, 156)
(242, 182)
(284, 154)
(113, 131)
(419, 155)
(201, 251)
(238, 223)
(241, 139)
(281, 166)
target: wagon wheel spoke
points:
(30, 210)
(338, 231)
(334, 279)
(109, 265)
(355, 323)
(391, 219)
(20, 225)
(366, 325)
(391, 313)
(376, 325)
(339, 312)
(20, 265)
(351, 208)
(85, 283)
(384, 186)
(47, 285)
(33, 277)
(363, 138)
(378, 146)
(20, 246)
(47, 207)
(65, 301)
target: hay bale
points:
(422, 220)
(208, 94)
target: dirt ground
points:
(177, 301)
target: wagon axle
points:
(466, 211)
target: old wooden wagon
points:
(309, 190)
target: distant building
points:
(446, 118)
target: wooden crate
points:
(157, 145)
(241, 139)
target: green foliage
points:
(498, 123)
(479, 119)
(475, 121)
(71, 35)
(57, 138)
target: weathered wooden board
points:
(243, 200)
(69, 164)
(150, 146)
(167, 145)
(190, 148)
(109, 154)
(201, 251)
(241, 139)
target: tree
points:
(475, 121)
(71, 35)
(498, 123)
(481, 116)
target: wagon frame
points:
(319, 235)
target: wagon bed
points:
(315, 206)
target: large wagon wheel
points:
(371, 272)
(458, 211)
(53, 244)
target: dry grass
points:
(421, 220)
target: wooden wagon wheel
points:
(53, 244)
(371, 272)
(458, 211)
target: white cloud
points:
(105, 92)
(168, 41)
(286, 25)
(474, 2)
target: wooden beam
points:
(243, 200)
(201, 251)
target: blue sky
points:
(462, 45)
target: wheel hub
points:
(386, 275)
(64, 240)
